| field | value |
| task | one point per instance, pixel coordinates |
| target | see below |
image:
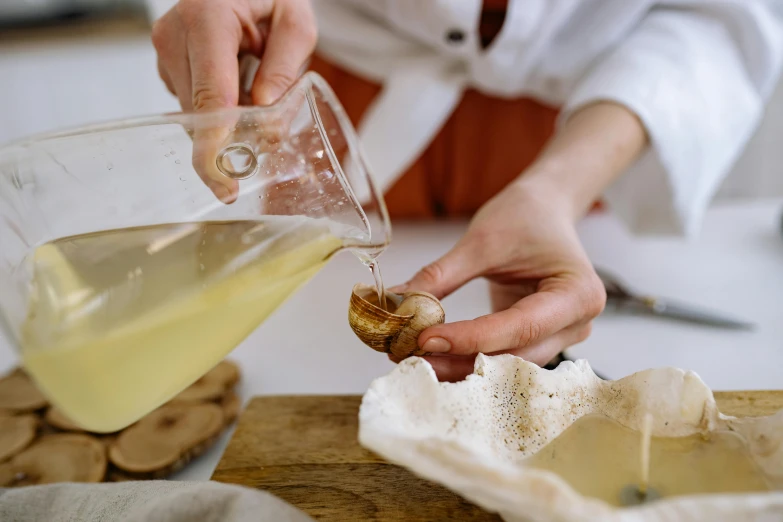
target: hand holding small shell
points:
(396, 330)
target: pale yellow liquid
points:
(121, 321)
(598, 457)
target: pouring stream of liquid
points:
(376, 274)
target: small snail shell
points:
(396, 330)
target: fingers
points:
(208, 141)
(451, 368)
(447, 274)
(212, 50)
(173, 64)
(556, 306)
(543, 352)
(215, 84)
(213, 39)
(164, 75)
(291, 40)
(198, 44)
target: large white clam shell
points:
(467, 436)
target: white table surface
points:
(306, 347)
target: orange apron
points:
(485, 144)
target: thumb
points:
(445, 275)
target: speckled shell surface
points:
(473, 436)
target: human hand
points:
(199, 45)
(544, 290)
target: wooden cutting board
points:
(304, 449)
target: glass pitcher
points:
(135, 255)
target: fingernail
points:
(399, 289)
(269, 95)
(436, 344)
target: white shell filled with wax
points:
(474, 436)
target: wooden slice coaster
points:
(57, 419)
(18, 393)
(213, 385)
(231, 404)
(167, 439)
(154, 447)
(63, 457)
(107, 441)
(16, 433)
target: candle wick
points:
(645, 453)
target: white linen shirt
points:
(696, 72)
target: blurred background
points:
(69, 62)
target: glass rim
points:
(355, 147)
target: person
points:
(519, 113)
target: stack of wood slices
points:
(40, 445)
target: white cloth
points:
(145, 501)
(697, 73)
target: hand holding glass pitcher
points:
(544, 290)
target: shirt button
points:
(455, 36)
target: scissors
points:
(622, 298)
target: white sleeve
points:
(698, 75)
